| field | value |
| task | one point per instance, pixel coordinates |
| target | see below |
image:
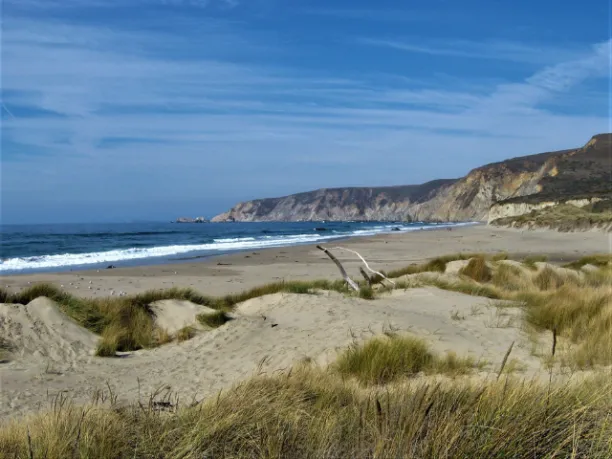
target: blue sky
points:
(118, 110)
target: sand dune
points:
(172, 315)
(266, 334)
(41, 332)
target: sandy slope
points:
(172, 315)
(267, 334)
(40, 333)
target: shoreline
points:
(230, 273)
(196, 254)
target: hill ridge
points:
(555, 175)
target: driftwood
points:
(365, 276)
(345, 276)
(367, 265)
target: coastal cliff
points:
(515, 209)
(510, 186)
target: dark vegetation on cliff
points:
(582, 173)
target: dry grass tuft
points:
(386, 359)
(469, 287)
(531, 260)
(366, 292)
(478, 270)
(214, 320)
(549, 279)
(162, 336)
(600, 260)
(185, 333)
(509, 277)
(439, 264)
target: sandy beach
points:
(236, 272)
(54, 356)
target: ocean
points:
(36, 248)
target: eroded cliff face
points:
(506, 210)
(467, 199)
(471, 197)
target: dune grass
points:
(213, 320)
(127, 323)
(366, 292)
(438, 264)
(477, 269)
(531, 260)
(576, 306)
(298, 287)
(388, 358)
(467, 286)
(599, 260)
(312, 413)
(185, 333)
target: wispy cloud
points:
(387, 14)
(494, 50)
(68, 4)
(549, 82)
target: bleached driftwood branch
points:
(345, 276)
(365, 276)
(366, 264)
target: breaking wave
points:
(223, 245)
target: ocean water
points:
(35, 248)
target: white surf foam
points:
(218, 245)
(79, 259)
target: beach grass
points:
(477, 269)
(599, 260)
(531, 260)
(389, 358)
(576, 307)
(127, 323)
(314, 413)
(214, 319)
(185, 333)
(366, 292)
(438, 264)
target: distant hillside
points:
(582, 173)
(508, 185)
